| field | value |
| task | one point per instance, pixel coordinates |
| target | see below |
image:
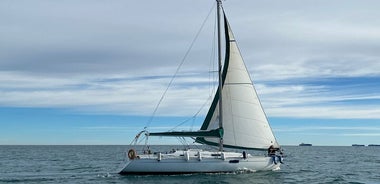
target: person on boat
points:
(272, 153)
(280, 156)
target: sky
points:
(92, 72)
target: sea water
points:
(99, 164)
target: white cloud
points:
(125, 95)
(139, 97)
(360, 112)
(116, 57)
(326, 128)
(362, 135)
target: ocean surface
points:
(99, 164)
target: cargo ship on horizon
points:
(305, 144)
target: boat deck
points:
(194, 154)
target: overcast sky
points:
(315, 64)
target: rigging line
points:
(177, 70)
(195, 115)
(192, 124)
(182, 141)
(212, 76)
(212, 79)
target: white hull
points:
(182, 162)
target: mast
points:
(219, 6)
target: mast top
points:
(219, 3)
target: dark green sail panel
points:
(212, 133)
(203, 131)
(212, 109)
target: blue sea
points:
(99, 164)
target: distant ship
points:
(373, 144)
(358, 145)
(305, 144)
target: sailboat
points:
(235, 120)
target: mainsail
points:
(245, 124)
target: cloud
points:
(125, 95)
(118, 57)
(138, 96)
(358, 112)
(60, 38)
(327, 128)
(363, 135)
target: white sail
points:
(244, 121)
